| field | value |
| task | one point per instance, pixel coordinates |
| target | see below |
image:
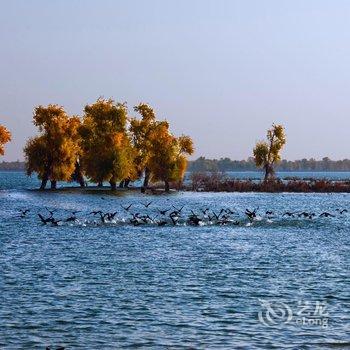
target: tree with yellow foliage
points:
(267, 153)
(168, 155)
(107, 152)
(159, 155)
(141, 131)
(5, 136)
(53, 154)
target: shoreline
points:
(226, 171)
(242, 187)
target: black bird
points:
(95, 212)
(178, 210)
(102, 217)
(71, 218)
(216, 216)
(110, 216)
(163, 212)
(327, 215)
(306, 215)
(135, 220)
(43, 220)
(251, 214)
(135, 216)
(222, 211)
(343, 211)
(194, 220)
(175, 213)
(146, 219)
(205, 211)
(55, 222)
(225, 217)
(288, 213)
(269, 212)
(147, 205)
(222, 222)
(127, 208)
(24, 212)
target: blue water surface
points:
(93, 285)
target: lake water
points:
(274, 282)
(18, 180)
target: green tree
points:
(267, 153)
(54, 153)
(141, 131)
(160, 156)
(107, 153)
(168, 155)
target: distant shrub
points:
(218, 182)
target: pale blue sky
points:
(220, 71)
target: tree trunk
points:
(126, 183)
(146, 179)
(166, 186)
(43, 182)
(53, 184)
(79, 175)
(121, 184)
(113, 185)
(45, 176)
(266, 173)
(269, 172)
(100, 184)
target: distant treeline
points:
(12, 165)
(226, 164)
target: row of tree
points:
(226, 164)
(105, 144)
(108, 145)
(203, 164)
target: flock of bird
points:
(174, 216)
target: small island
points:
(107, 145)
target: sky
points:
(219, 71)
